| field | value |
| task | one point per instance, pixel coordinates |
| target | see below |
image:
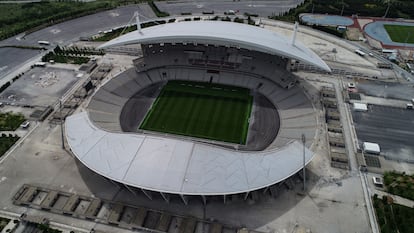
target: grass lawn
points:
(3, 223)
(393, 218)
(115, 33)
(6, 142)
(400, 33)
(400, 184)
(202, 110)
(10, 121)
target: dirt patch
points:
(354, 34)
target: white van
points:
(377, 182)
(25, 125)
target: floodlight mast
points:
(304, 172)
(61, 124)
(295, 30)
(386, 11)
(138, 22)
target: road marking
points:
(17, 144)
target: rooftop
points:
(225, 34)
(177, 166)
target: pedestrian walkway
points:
(383, 101)
(17, 132)
(397, 199)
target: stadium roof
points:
(222, 33)
(176, 166)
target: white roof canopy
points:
(176, 166)
(222, 33)
(360, 107)
(371, 147)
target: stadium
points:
(210, 110)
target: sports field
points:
(400, 33)
(202, 110)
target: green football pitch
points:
(400, 33)
(202, 110)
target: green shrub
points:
(238, 20)
(393, 217)
(10, 121)
(6, 143)
(400, 184)
(73, 55)
(247, 14)
(215, 18)
(6, 85)
(250, 21)
(330, 30)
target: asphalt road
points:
(262, 8)
(390, 127)
(70, 31)
(13, 57)
(65, 33)
(387, 90)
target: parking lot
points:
(387, 90)
(13, 57)
(392, 128)
(39, 87)
(262, 8)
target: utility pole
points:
(137, 21)
(304, 174)
(406, 39)
(295, 30)
(343, 6)
(386, 11)
(61, 123)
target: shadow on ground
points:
(250, 213)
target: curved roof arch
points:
(176, 166)
(222, 33)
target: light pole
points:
(61, 123)
(304, 174)
(386, 11)
(406, 39)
